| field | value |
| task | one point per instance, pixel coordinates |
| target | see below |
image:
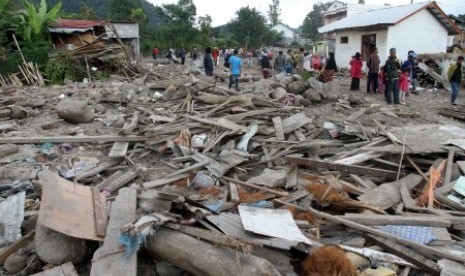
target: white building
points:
(289, 34)
(422, 27)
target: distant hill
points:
(101, 8)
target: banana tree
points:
(34, 19)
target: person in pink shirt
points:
(404, 85)
(356, 64)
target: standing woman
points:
(356, 71)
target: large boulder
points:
(312, 95)
(57, 248)
(297, 87)
(279, 92)
(75, 111)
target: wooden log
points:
(203, 258)
(74, 139)
(188, 169)
(110, 259)
(340, 167)
(408, 254)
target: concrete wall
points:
(344, 52)
(126, 31)
(421, 32)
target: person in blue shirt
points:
(208, 62)
(235, 65)
(183, 55)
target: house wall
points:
(288, 33)
(421, 32)
(344, 52)
(77, 39)
(127, 32)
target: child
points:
(382, 81)
(403, 85)
(356, 64)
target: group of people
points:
(393, 79)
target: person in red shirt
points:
(404, 84)
(356, 71)
(215, 55)
(155, 52)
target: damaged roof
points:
(75, 25)
(390, 16)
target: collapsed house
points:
(70, 34)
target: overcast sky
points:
(292, 11)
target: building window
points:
(344, 39)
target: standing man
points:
(183, 55)
(392, 68)
(410, 66)
(455, 75)
(208, 62)
(289, 63)
(235, 64)
(280, 63)
(373, 69)
(155, 52)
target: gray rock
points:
(287, 80)
(15, 263)
(297, 87)
(75, 111)
(99, 108)
(279, 92)
(297, 77)
(305, 102)
(129, 90)
(331, 89)
(312, 95)
(139, 82)
(57, 248)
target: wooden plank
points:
(129, 128)
(220, 122)
(12, 248)
(368, 185)
(278, 125)
(341, 167)
(254, 186)
(190, 168)
(234, 193)
(121, 181)
(100, 168)
(163, 181)
(461, 165)
(110, 259)
(74, 139)
(300, 136)
(119, 149)
(109, 180)
(406, 253)
(369, 219)
(100, 215)
(450, 161)
(61, 270)
(295, 122)
(359, 158)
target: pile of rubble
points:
(172, 172)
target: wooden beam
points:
(340, 167)
(121, 181)
(100, 215)
(74, 139)
(225, 178)
(100, 168)
(109, 259)
(16, 246)
(406, 253)
(369, 219)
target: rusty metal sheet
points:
(67, 207)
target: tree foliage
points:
(121, 9)
(34, 20)
(249, 28)
(274, 12)
(314, 20)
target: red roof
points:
(77, 24)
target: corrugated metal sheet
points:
(386, 16)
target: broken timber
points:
(74, 139)
(341, 167)
(109, 259)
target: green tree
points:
(314, 20)
(138, 15)
(274, 12)
(121, 9)
(87, 12)
(34, 20)
(461, 16)
(249, 28)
